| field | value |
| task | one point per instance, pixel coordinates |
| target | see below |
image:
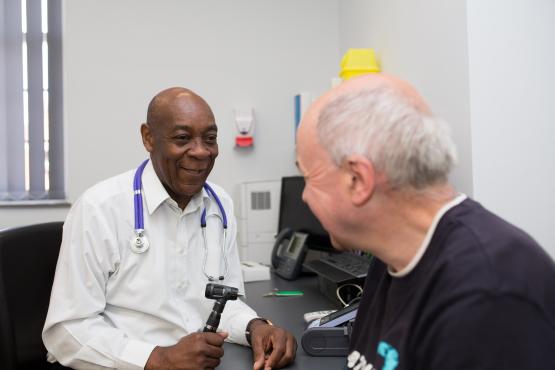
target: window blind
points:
(31, 118)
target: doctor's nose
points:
(199, 149)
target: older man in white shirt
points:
(116, 304)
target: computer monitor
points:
(296, 215)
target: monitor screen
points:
(295, 214)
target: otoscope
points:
(221, 293)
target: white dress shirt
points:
(110, 306)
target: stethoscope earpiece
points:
(139, 242)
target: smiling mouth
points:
(194, 171)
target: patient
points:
(452, 285)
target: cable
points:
(337, 292)
(355, 300)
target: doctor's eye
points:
(211, 139)
(182, 139)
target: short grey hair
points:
(411, 147)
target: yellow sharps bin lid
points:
(356, 62)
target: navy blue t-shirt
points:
(481, 297)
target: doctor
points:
(134, 261)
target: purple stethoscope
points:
(140, 243)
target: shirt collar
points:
(431, 230)
(155, 194)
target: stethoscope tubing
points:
(138, 198)
(139, 218)
(211, 191)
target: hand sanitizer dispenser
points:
(244, 122)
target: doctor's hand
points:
(194, 351)
(272, 347)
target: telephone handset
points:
(288, 253)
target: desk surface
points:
(286, 312)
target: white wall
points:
(118, 54)
(424, 42)
(488, 68)
(512, 90)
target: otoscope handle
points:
(214, 318)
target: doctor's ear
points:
(362, 181)
(148, 139)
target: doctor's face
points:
(181, 136)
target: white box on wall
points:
(257, 211)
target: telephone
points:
(288, 253)
(330, 335)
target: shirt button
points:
(181, 251)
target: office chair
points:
(28, 257)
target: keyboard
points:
(352, 264)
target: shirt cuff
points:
(135, 355)
(239, 327)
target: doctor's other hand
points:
(272, 347)
(194, 351)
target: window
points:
(31, 131)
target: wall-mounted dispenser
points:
(244, 123)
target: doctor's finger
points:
(259, 363)
(258, 354)
(215, 339)
(210, 363)
(290, 353)
(278, 351)
(213, 351)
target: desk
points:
(286, 312)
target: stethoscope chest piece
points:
(139, 242)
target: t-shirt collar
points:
(431, 230)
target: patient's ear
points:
(362, 178)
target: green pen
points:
(284, 293)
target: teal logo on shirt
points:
(390, 355)
(356, 360)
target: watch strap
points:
(248, 330)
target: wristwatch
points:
(248, 330)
